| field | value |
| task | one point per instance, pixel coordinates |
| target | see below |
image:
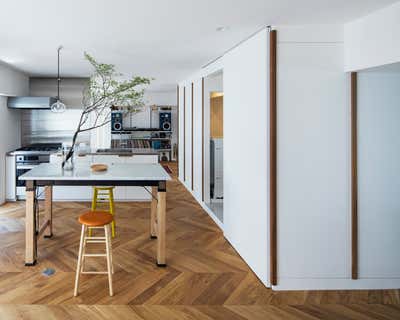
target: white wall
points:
(313, 158)
(162, 98)
(314, 230)
(379, 174)
(12, 82)
(373, 40)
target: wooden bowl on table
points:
(99, 167)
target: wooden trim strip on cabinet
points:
(273, 158)
(184, 133)
(177, 127)
(354, 179)
(192, 145)
(202, 139)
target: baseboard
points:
(336, 284)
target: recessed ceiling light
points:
(222, 28)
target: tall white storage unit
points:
(246, 118)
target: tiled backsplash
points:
(45, 126)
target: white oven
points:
(24, 164)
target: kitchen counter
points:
(119, 152)
(115, 152)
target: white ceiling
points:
(165, 39)
(388, 68)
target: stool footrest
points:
(94, 272)
(95, 238)
(95, 241)
(94, 255)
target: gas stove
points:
(38, 148)
(28, 157)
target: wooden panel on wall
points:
(273, 159)
(354, 179)
(216, 117)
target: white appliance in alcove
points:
(217, 168)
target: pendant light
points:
(58, 106)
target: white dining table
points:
(48, 175)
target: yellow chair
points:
(102, 195)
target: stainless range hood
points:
(30, 102)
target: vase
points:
(67, 164)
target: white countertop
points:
(82, 172)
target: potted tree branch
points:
(106, 91)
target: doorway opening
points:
(214, 143)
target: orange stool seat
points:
(96, 218)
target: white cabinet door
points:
(72, 193)
(83, 159)
(119, 192)
(108, 159)
(69, 193)
(10, 178)
(139, 193)
(56, 158)
(142, 158)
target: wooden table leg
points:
(153, 216)
(48, 194)
(30, 228)
(161, 236)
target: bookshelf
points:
(144, 132)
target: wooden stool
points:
(99, 220)
(102, 195)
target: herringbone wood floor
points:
(205, 278)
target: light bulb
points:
(58, 107)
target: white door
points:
(246, 211)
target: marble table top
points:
(82, 172)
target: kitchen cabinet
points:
(139, 192)
(68, 193)
(119, 192)
(10, 179)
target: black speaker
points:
(165, 121)
(116, 121)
